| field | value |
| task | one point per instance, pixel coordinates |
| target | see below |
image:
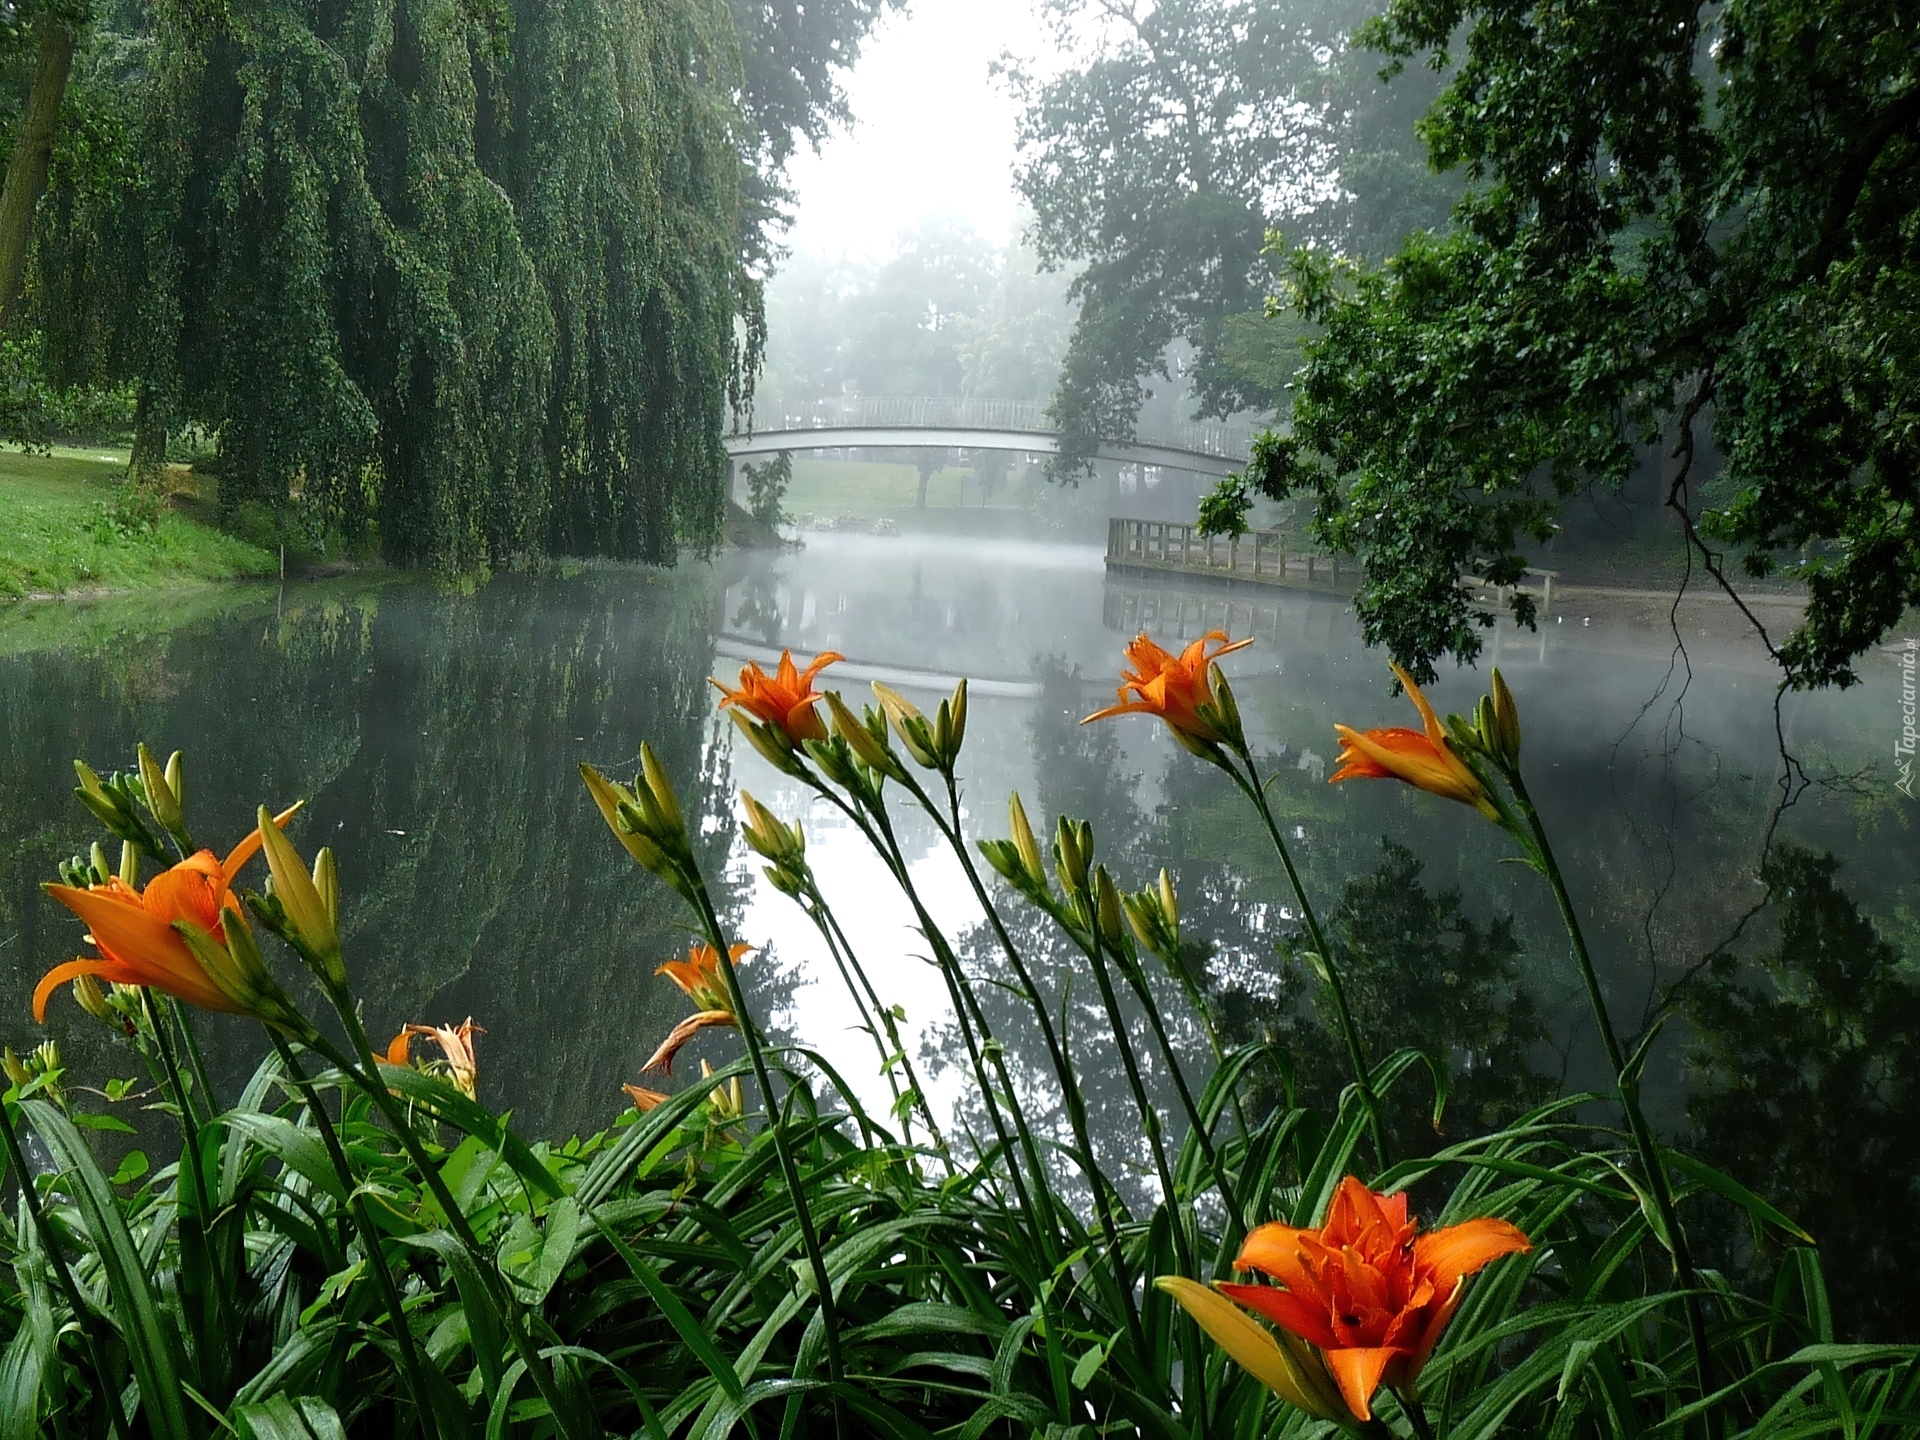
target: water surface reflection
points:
(437, 734)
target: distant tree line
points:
(949, 313)
(462, 279)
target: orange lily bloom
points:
(456, 1044)
(140, 938)
(699, 978)
(1365, 1289)
(1177, 688)
(1424, 760)
(784, 699)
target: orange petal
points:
(72, 970)
(1275, 1250)
(1358, 1372)
(145, 944)
(1463, 1249)
(1291, 1312)
(820, 662)
(645, 1099)
(681, 1034)
(1131, 707)
(1435, 732)
(400, 1052)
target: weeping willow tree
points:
(465, 277)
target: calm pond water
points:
(436, 733)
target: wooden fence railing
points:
(1266, 557)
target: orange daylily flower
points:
(1366, 1290)
(456, 1044)
(699, 978)
(1175, 687)
(784, 699)
(1424, 760)
(138, 934)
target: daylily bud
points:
(910, 725)
(161, 800)
(660, 790)
(308, 918)
(112, 805)
(776, 747)
(1155, 917)
(871, 750)
(768, 835)
(88, 995)
(1112, 927)
(1069, 859)
(1506, 718)
(16, 1072)
(1023, 840)
(1227, 709)
(951, 723)
(97, 862)
(326, 880)
(1486, 729)
(238, 968)
(176, 778)
(612, 801)
(130, 864)
(726, 1103)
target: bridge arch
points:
(887, 422)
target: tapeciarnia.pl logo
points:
(1903, 747)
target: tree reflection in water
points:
(1808, 1062)
(1422, 974)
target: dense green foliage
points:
(1158, 161)
(463, 281)
(356, 1247)
(1689, 239)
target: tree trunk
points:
(27, 172)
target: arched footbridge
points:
(886, 422)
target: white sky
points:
(932, 132)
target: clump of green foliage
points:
(354, 1244)
(1688, 231)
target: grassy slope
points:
(846, 487)
(55, 535)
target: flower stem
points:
(1626, 1086)
(782, 1146)
(369, 1236)
(1330, 971)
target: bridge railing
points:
(1279, 557)
(1275, 555)
(1007, 416)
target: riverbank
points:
(62, 534)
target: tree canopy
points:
(473, 280)
(1691, 233)
(1159, 160)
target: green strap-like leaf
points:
(134, 1306)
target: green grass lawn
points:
(57, 535)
